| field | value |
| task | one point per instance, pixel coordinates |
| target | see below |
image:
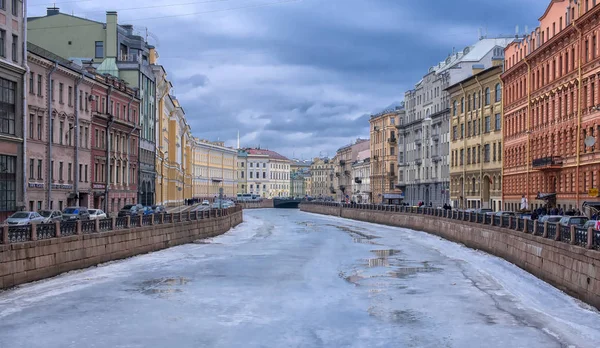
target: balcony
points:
(436, 158)
(342, 188)
(547, 163)
(435, 137)
(342, 163)
(418, 141)
(331, 189)
(418, 161)
(337, 174)
(358, 180)
(347, 172)
(392, 140)
(403, 164)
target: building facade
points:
(384, 156)
(116, 50)
(214, 169)
(424, 132)
(266, 173)
(343, 160)
(476, 140)
(115, 142)
(361, 177)
(59, 147)
(552, 122)
(13, 66)
(322, 174)
(242, 163)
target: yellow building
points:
(322, 174)
(214, 167)
(164, 107)
(476, 140)
(384, 157)
(308, 185)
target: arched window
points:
(473, 185)
(475, 101)
(498, 93)
(487, 96)
(454, 105)
(462, 105)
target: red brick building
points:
(552, 85)
(115, 135)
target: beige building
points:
(384, 158)
(361, 177)
(476, 140)
(342, 161)
(214, 168)
(322, 174)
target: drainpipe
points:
(481, 91)
(24, 97)
(135, 127)
(50, 133)
(463, 165)
(502, 150)
(578, 105)
(76, 186)
(109, 124)
(527, 127)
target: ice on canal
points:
(290, 279)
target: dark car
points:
(75, 213)
(131, 210)
(147, 211)
(159, 209)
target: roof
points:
(271, 154)
(473, 53)
(473, 76)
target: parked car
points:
(550, 218)
(483, 210)
(505, 213)
(147, 211)
(578, 221)
(75, 213)
(97, 214)
(595, 224)
(205, 202)
(24, 218)
(158, 209)
(51, 215)
(131, 210)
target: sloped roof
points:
(271, 154)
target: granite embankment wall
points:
(22, 262)
(574, 269)
(265, 203)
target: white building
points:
(361, 181)
(267, 174)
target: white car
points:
(97, 214)
(205, 202)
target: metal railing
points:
(23, 233)
(583, 237)
(68, 228)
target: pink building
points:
(58, 149)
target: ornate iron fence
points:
(68, 228)
(551, 230)
(134, 221)
(121, 222)
(168, 218)
(581, 236)
(45, 231)
(497, 220)
(530, 224)
(487, 219)
(565, 233)
(146, 220)
(505, 221)
(176, 217)
(19, 233)
(596, 239)
(105, 225)
(540, 228)
(88, 226)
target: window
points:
(69, 172)
(80, 172)
(99, 49)
(85, 138)
(499, 151)
(494, 153)
(86, 101)
(15, 48)
(462, 105)
(454, 108)
(487, 96)
(487, 124)
(31, 119)
(498, 122)
(462, 130)
(2, 43)
(462, 156)
(39, 169)
(60, 92)
(31, 77)
(498, 93)
(251, 177)
(60, 132)
(52, 89)
(96, 138)
(85, 172)
(40, 127)
(15, 7)
(60, 171)
(7, 107)
(80, 100)
(8, 183)
(486, 153)
(70, 96)
(31, 165)
(469, 129)
(39, 85)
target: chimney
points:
(153, 55)
(51, 11)
(477, 68)
(111, 34)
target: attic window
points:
(466, 51)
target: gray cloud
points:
(301, 78)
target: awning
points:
(592, 204)
(545, 196)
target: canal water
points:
(290, 279)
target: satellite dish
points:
(590, 141)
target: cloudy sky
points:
(301, 76)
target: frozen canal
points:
(291, 279)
